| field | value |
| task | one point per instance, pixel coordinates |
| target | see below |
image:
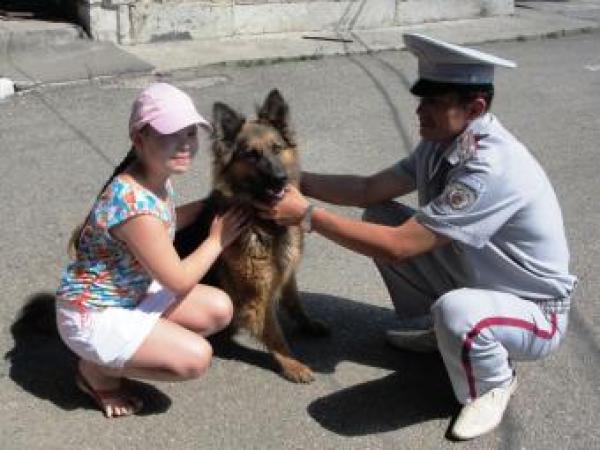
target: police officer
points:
(480, 269)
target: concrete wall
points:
(139, 21)
(420, 11)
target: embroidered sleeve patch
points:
(459, 196)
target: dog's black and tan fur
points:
(254, 160)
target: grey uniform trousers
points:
(479, 331)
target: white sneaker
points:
(421, 341)
(484, 413)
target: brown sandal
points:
(103, 398)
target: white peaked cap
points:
(443, 62)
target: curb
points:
(262, 61)
(22, 87)
(18, 38)
(247, 51)
(253, 51)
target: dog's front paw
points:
(295, 371)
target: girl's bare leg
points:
(205, 310)
(174, 350)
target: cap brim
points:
(429, 88)
(174, 122)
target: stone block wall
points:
(140, 21)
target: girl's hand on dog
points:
(288, 211)
(227, 227)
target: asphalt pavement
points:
(352, 114)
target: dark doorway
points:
(52, 10)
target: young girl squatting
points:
(127, 305)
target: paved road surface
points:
(352, 114)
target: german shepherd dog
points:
(253, 160)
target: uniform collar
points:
(466, 144)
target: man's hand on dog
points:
(287, 211)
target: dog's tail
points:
(37, 316)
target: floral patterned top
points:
(105, 273)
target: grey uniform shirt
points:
(490, 195)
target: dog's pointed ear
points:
(275, 111)
(227, 122)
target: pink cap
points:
(165, 108)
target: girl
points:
(127, 305)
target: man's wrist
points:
(306, 222)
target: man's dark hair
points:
(468, 95)
(465, 92)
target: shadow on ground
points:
(389, 403)
(43, 366)
(357, 334)
(418, 389)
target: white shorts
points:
(110, 336)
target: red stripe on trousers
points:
(494, 321)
